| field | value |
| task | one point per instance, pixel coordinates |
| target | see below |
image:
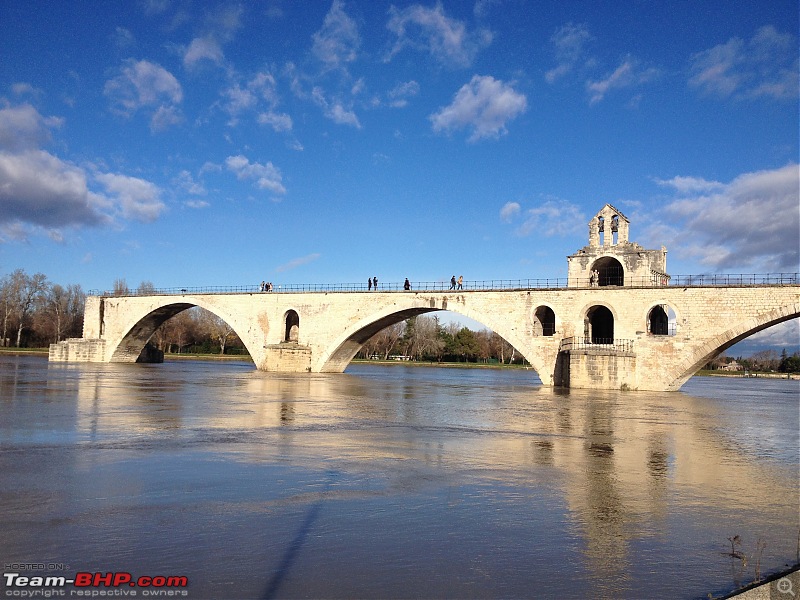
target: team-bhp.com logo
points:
(94, 585)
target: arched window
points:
(661, 320)
(292, 327)
(599, 326)
(544, 321)
(611, 271)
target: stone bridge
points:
(619, 321)
(645, 338)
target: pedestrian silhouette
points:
(453, 282)
(407, 285)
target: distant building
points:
(611, 259)
(732, 366)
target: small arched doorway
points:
(544, 321)
(610, 270)
(658, 321)
(599, 325)
(292, 327)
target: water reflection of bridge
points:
(624, 467)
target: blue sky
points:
(198, 143)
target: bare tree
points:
(216, 328)
(24, 292)
(146, 288)
(121, 287)
(424, 339)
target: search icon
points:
(784, 586)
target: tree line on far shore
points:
(764, 361)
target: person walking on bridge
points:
(407, 285)
(461, 282)
(453, 282)
(369, 284)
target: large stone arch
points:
(718, 344)
(342, 350)
(131, 338)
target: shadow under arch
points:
(351, 341)
(129, 348)
(710, 350)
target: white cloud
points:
(399, 94)
(203, 48)
(751, 224)
(766, 65)
(136, 198)
(568, 42)
(298, 262)
(430, 30)
(278, 121)
(689, 184)
(23, 127)
(338, 41)
(484, 105)
(185, 181)
(40, 189)
(142, 85)
(554, 217)
(625, 75)
(267, 176)
(509, 211)
(334, 110)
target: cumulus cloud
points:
(750, 224)
(399, 94)
(568, 44)
(23, 127)
(334, 109)
(145, 85)
(298, 262)
(203, 48)
(259, 93)
(509, 211)
(136, 198)
(38, 189)
(765, 65)
(430, 30)
(553, 217)
(627, 74)
(266, 176)
(484, 105)
(338, 41)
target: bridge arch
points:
(345, 346)
(140, 327)
(717, 345)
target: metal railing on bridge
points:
(484, 285)
(585, 343)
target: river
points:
(392, 481)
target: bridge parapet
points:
(483, 285)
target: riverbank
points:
(452, 365)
